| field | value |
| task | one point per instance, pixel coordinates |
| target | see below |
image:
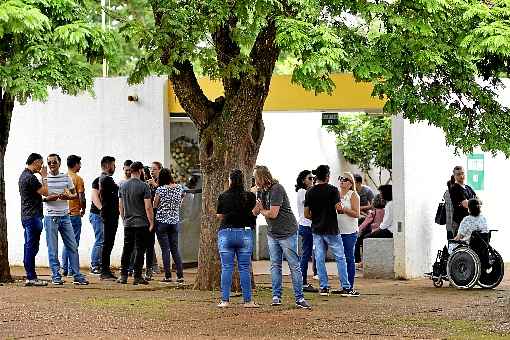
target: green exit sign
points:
(329, 118)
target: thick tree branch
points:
(199, 108)
(227, 50)
(264, 54)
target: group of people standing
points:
(328, 219)
(148, 204)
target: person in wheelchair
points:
(469, 258)
(475, 221)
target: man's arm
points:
(150, 213)
(94, 196)
(308, 213)
(121, 208)
(272, 212)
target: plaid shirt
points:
(449, 210)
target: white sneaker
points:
(316, 277)
(223, 304)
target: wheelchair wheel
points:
(438, 283)
(463, 268)
(491, 277)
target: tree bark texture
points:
(230, 128)
(6, 107)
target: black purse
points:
(441, 214)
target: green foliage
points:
(425, 57)
(364, 140)
(48, 43)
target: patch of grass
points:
(149, 307)
(455, 329)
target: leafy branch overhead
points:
(426, 57)
(365, 141)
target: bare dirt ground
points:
(386, 309)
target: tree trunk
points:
(6, 107)
(227, 143)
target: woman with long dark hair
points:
(167, 200)
(235, 237)
(304, 182)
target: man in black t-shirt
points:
(31, 191)
(322, 202)
(109, 211)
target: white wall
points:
(422, 163)
(91, 128)
(295, 141)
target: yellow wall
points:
(285, 96)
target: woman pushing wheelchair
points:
(469, 259)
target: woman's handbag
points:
(441, 214)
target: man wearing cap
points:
(322, 203)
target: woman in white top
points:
(304, 182)
(348, 221)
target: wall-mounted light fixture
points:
(133, 98)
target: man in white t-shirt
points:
(56, 219)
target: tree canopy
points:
(425, 56)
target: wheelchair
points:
(476, 263)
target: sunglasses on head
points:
(344, 179)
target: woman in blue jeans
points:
(304, 182)
(348, 223)
(168, 201)
(235, 237)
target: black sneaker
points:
(276, 301)
(122, 280)
(140, 281)
(180, 280)
(57, 282)
(95, 271)
(35, 283)
(310, 289)
(303, 304)
(324, 292)
(108, 277)
(166, 280)
(349, 293)
(81, 282)
(148, 276)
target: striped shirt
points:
(58, 184)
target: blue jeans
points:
(76, 223)
(32, 229)
(334, 242)
(97, 248)
(349, 242)
(307, 241)
(234, 242)
(286, 247)
(53, 225)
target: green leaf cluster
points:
(49, 44)
(364, 140)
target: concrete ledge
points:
(378, 258)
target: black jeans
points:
(168, 237)
(149, 252)
(135, 240)
(380, 233)
(359, 243)
(110, 230)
